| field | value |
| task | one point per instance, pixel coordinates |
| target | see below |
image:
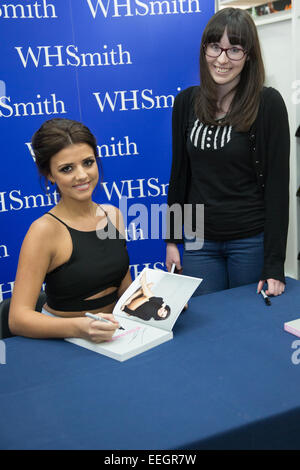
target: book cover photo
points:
(146, 312)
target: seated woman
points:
(78, 248)
(144, 305)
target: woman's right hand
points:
(173, 256)
(95, 330)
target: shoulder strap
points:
(49, 213)
(99, 205)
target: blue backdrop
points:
(115, 65)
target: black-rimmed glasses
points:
(233, 53)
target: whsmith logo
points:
(38, 10)
(133, 100)
(69, 56)
(118, 8)
(41, 107)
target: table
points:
(226, 381)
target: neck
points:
(226, 94)
(77, 210)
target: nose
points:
(222, 59)
(81, 173)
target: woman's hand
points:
(275, 287)
(95, 330)
(173, 256)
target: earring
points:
(48, 187)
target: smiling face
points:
(225, 72)
(74, 169)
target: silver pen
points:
(95, 317)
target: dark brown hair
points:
(241, 30)
(55, 135)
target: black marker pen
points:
(266, 298)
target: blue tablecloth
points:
(225, 381)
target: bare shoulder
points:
(42, 233)
(44, 226)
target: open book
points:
(147, 312)
(293, 327)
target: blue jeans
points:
(224, 265)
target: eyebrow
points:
(61, 165)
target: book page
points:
(156, 298)
(128, 342)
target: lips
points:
(221, 69)
(82, 187)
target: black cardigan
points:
(269, 139)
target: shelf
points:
(241, 3)
(259, 19)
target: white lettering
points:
(125, 5)
(15, 201)
(141, 221)
(29, 146)
(133, 100)
(116, 9)
(65, 56)
(31, 54)
(106, 99)
(9, 291)
(113, 188)
(115, 460)
(136, 269)
(37, 108)
(3, 249)
(94, 9)
(153, 186)
(139, 186)
(29, 11)
(132, 233)
(119, 148)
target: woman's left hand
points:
(275, 287)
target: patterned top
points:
(210, 137)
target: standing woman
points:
(77, 248)
(231, 153)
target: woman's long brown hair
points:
(244, 107)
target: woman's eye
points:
(66, 169)
(89, 162)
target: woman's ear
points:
(50, 178)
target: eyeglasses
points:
(233, 53)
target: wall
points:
(278, 46)
(117, 66)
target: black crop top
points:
(147, 310)
(95, 264)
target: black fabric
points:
(147, 310)
(269, 142)
(223, 179)
(95, 264)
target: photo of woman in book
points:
(144, 305)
